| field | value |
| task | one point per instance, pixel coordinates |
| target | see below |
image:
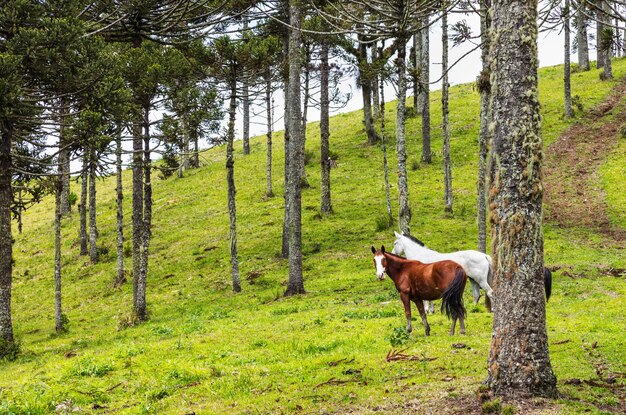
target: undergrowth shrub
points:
(491, 407)
(399, 337)
(9, 351)
(87, 367)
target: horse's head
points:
(380, 262)
(398, 246)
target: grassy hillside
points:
(206, 350)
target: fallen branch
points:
(395, 355)
(334, 381)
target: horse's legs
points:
(420, 307)
(475, 291)
(407, 310)
(429, 306)
(485, 286)
(453, 325)
(462, 324)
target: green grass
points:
(209, 351)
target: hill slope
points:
(206, 350)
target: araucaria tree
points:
(295, 153)
(519, 362)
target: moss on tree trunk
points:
(519, 362)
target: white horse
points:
(476, 264)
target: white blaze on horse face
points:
(380, 270)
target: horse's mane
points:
(395, 256)
(414, 239)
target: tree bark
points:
(230, 177)
(403, 183)
(141, 312)
(326, 203)
(484, 87)
(304, 181)
(425, 78)
(137, 218)
(599, 29)
(582, 38)
(296, 154)
(366, 90)
(64, 157)
(445, 125)
(7, 341)
(93, 227)
(82, 209)
(58, 310)
(120, 212)
(20, 208)
(284, 253)
(375, 87)
(245, 101)
(268, 105)
(384, 145)
(417, 57)
(519, 362)
(606, 41)
(567, 79)
(195, 158)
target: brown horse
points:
(416, 281)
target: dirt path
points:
(573, 192)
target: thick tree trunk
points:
(484, 87)
(404, 221)
(425, 78)
(120, 212)
(268, 107)
(7, 342)
(519, 362)
(445, 125)
(58, 310)
(326, 204)
(82, 208)
(93, 227)
(137, 219)
(366, 90)
(64, 157)
(230, 177)
(567, 79)
(384, 145)
(296, 154)
(582, 38)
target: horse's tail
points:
(452, 299)
(547, 282)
